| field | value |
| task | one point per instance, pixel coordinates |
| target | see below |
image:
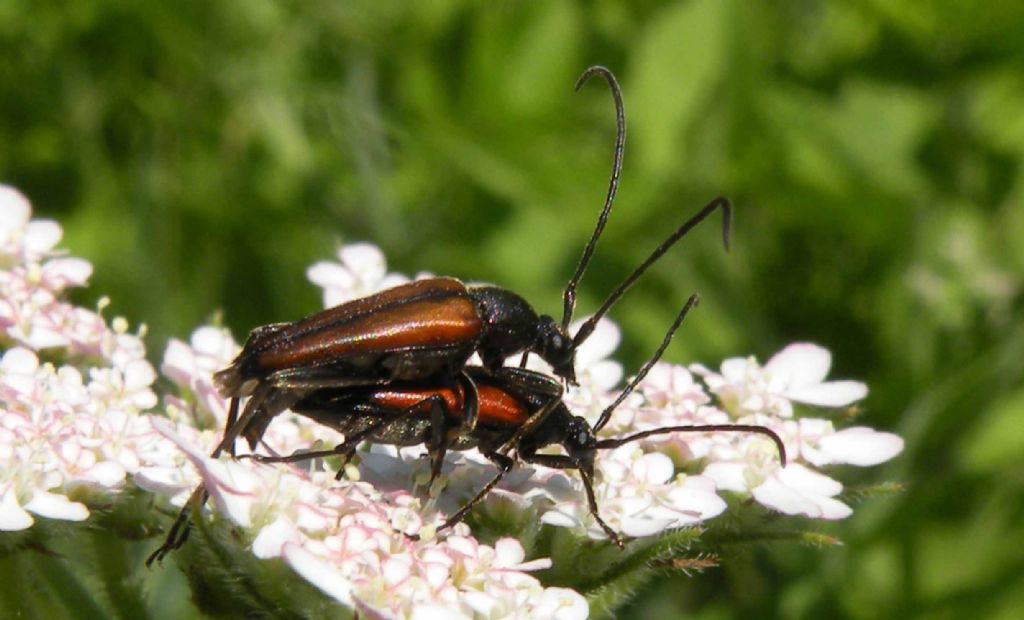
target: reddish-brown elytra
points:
(425, 330)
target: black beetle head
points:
(556, 348)
(580, 442)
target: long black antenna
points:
(607, 413)
(569, 296)
(718, 203)
(703, 428)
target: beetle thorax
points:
(510, 324)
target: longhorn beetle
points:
(416, 331)
(516, 412)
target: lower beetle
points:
(517, 411)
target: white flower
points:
(639, 495)
(361, 270)
(795, 374)
(797, 490)
(191, 367)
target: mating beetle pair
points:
(518, 410)
(391, 367)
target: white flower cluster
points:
(66, 430)
(69, 427)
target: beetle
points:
(427, 328)
(516, 413)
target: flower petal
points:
(319, 573)
(829, 394)
(861, 446)
(57, 507)
(12, 516)
(799, 365)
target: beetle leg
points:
(443, 433)
(318, 378)
(347, 448)
(232, 418)
(559, 461)
(534, 420)
(530, 382)
(252, 408)
(180, 529)
(504, 464)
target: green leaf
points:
(674, 70)
(997, 443)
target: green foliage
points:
(201, 155)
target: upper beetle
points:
(427, 328)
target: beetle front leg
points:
(559, 461)
(504, 464)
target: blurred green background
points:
(202, 155)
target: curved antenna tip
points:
(590, 72)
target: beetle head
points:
(580, 443)
(556, 348)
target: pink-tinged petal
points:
(106, 473)
(798, 490)
(59, 273)
(433, 611)
(57, 507)
(12, 516)
(637, 525)
(161, 480)
(230, 485)
(179, 362)
(799, 365)
(560, 604)
(508, 552)
(396, 571)
(365, 260)
(698, 495)
(15, 210)
(483, 604)
(829, 394)
(653, 468)
(215, 342)
(604, 374)
(734, 369)
(19, 360)
(138, 374)
(601, 343)
(271, 540)
(45, 337)
(319, 573)
(41, 236)
(807, 480)
(560, 518)
(394, 279)
(365, 610)
(330, 275)
(727, 476)
(861, 446)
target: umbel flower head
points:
(81, 423)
